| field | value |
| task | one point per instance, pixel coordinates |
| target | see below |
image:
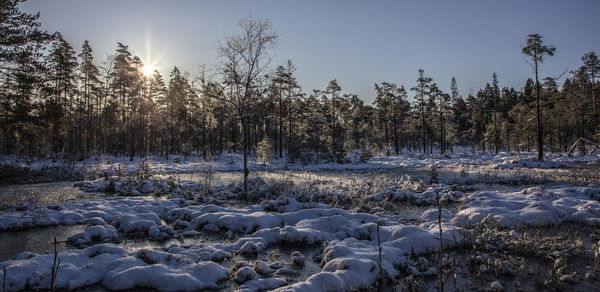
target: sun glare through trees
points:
(148, 69)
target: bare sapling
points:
(441, 258)
(207, 174)
(433, 175)
(454, 267)
(55, 266)
(379, 262)
(596, 257)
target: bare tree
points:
(244, 60)
(536, 49)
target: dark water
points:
(42, 194)
(36, 240)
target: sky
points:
(359, 43)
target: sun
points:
(148, 69)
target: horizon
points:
(326, 49)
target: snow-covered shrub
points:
(264, 151)
(297, 258)
(143, 172)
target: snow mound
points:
(536, 206)
(350, 240)
(350, 255)
(94, 234)
(115, 268)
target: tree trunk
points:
(396, 132)
(539, 114)
(594, 106)
(423, 119)
(290, 125)
(280, 126)
(245, 146)
(442, 146)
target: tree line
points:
(60, 101)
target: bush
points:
(366, 154)
(264, 151)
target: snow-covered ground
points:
(227, 162)
(343, 221)
(349, 257)
(349, 239)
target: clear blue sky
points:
(357, 42)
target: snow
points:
(432, 215)
(115, 268)
(110, 165)
(349, 254)
(199, 276)
(262, 268)
(496, 286)
(536, 206)
(126, 214)
(349, 239)
(324, 281)
(263, 284)
(244, 274)
(297, 258)
(94, 234)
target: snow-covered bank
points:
(229, 162)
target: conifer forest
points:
(120, 173)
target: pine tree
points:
(278, 83)
(495, 109)
(335, 144)
(452, 125)
(536, 49)
(62, 64)
(461, 118)
(434, 108)
(400, 108)
(422, 90)
(21, 66)
(592, 66)
(291, 85)
(121, 87)
(382, 102)
(550, 96)
(157, 99)
(21, 40)
(177, 108)
(89, 76)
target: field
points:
(406, 222)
